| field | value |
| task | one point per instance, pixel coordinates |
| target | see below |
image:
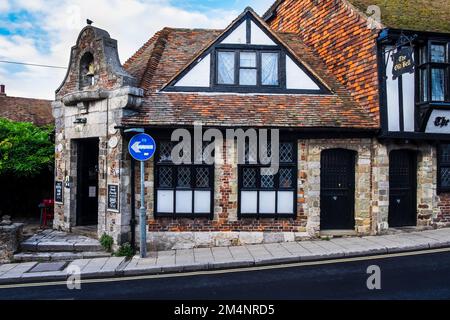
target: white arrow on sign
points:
(136, 147)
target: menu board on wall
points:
(113, 197)
(59, 198)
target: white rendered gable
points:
(296, 78)
(198, 76)
(238, 36)
(259, 37)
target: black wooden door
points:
(87, 182)
(337, 190)
(402, 188)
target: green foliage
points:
(107, 242)
(125, 251)
(25, 149)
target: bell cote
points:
(94, 69)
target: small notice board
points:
(113, 197)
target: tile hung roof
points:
(417, 15)
(172, 50)
(18, 109)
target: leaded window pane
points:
(424, 84)
(249, 178)
(286, 152)
(251, 152)
(247, 77)
(226, 67)
(267, 178)
(202, 178)
(165, 151)
(269, 68)
(248, 59)
(165, 177)
(184, 177)
(445, 177)
(438, 84)
(286, 178)
(438, 53)
(445, 153)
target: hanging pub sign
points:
(403, 62)
(113, 197)
(59, 191)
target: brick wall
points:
(340, 36)
(443, 218)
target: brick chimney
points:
(2, 90)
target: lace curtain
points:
(269, 65)
(226, 67)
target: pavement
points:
(204, 259)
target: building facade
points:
(312, 71)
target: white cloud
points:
(131, 22)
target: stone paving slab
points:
(230, 257)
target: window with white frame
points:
(264, 194)
(182, 190)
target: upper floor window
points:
(248, 68)
(434, 70)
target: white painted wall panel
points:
(249, 201)
(267, 202)
(259, 37)
(285, 202)
(408, 102)
(199, 76)
(184, 202)
(296, 78)
(392, 95)
(165, 201)
(202, 201)
(238, 36)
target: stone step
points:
(34, 246)
(58, 256)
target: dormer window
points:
(248, 57)
(248, 68)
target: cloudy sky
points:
(43, 31)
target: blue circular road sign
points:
(142, 147)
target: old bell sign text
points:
(403, 62)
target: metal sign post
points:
(142, 147)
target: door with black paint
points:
(337, 190)
(87, 182)
(402, 188)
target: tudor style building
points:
(314, 75)
(358, 40)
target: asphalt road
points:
(409, 277)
